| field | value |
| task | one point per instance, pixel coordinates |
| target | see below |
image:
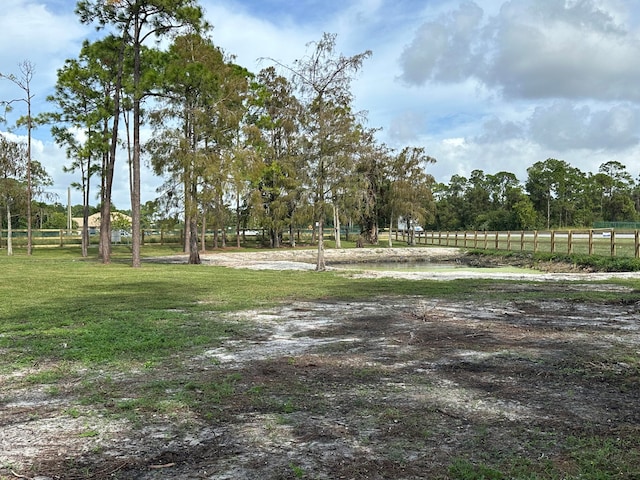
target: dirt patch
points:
(399, 387)
(305, 259)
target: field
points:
(182, 372)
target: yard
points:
(320, 376)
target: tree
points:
(553, 187)
(477, 201)
(273, 131)
(323, 79)
(505, 192)
(411, 196)
(27, 71)
(370, 186)
(616, 186)
(196, 126)
(13, 168)
(137, 21)
(81, 123)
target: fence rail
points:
(607, 242)
(64, 238)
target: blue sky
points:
(484, 84)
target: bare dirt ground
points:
(394, 388)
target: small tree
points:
(13, 167)
(27, 70)
(324, 81)
(78, 124)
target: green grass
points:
(84, 324)
(596, 263)
(57, 306)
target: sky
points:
(493, 85)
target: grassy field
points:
(63, 317)
(110, 313)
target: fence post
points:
(570, 242)
(522, 241)
(486, 239)
(613, 242)
(509, 240)
(535, 241)
(553, 241)
(61, 238)
(591, 245)
(475, 239)
(637, 238)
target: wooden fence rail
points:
(609, 242)
(606, 242)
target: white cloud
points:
(531, 49)
(545, 49)
(564, 126)
(444, 50)
(33, 32)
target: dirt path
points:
(396, 388)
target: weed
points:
(297, 470)
(464, 470)
(73, 412)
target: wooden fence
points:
(63, 238)
(609, 242)
(606, 242)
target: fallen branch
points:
(17, 475)
(166, 465)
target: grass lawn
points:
(64, 318)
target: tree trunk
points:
(135, 162)
(275, 238)
(336, 225)
(187, 232)
(411, 237)
(105, 229)
(194, 255)
(85, 230)
(29, 176)
(203, 236)
(109, 160)
(320, 264)
(238, 221)
(85, 215)
(9, 232)
(391, 231)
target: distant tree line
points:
(554, 195)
